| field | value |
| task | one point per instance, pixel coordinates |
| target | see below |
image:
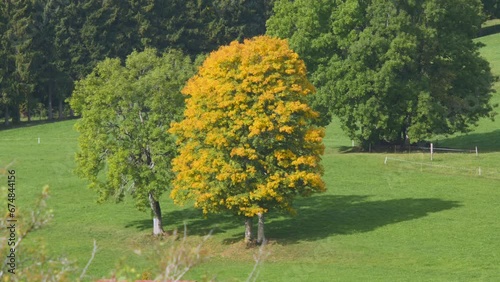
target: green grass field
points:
(402, 221)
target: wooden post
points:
(432, 151)
(477, 153)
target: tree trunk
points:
(248, 230)
(156, 211)
(28, 110)
(50, 115)
(61, 114)
(260, 229)
(7, 116)
(16, 114)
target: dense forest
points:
(47, 45)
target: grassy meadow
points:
(407, 220)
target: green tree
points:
(126, 111)
(69, 38)
(20, 73)
(53, 80)
(236, 20)
(199, 26)
(7, 65)
(392, 71)
(247, 140)
(491, 8)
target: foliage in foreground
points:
(247, 140)
(126, 111)
(172, 259)
(30, 264)
(392, 70)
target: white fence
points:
(446, 169)
(433, 149)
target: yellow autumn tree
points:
(247, 143)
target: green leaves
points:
(126, 111)
(392, 70)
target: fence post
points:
(477, 153)
(432, 150)
(385, 161)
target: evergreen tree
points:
(20, 35)
(491, 8)
(7, 65)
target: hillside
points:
(412, 221)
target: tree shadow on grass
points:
(34, 122)
(488, 30)
(196, 223)
(326, 215)
(317, 217)
(486, 142)
(323, 216)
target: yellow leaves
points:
(267, 96)
(297, 106)
(240, 99)
(287, 158)
(216, 140)
(205, 196)
(311, 161)
(251, 211)
(245, 98)
(311, 180)
(284, 155)
(249, 153)
(260, 124)
(239, 177)
(251, 170)
(297, 88)
(288, 129)
(243, 205)
(238, 152)
(281, 109)
(279, 89)
(314, 135)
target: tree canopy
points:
(48, 44)
(126, 111)
(392, 71)
(247, 140)
(491, 8)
